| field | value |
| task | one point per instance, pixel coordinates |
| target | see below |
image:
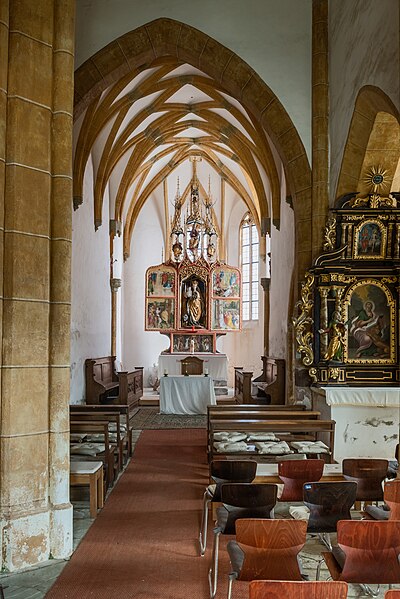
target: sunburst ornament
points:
(377, 180)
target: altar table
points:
(186, 394)
(216, 364)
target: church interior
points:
(200, 234)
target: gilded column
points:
(323, 291)
(60, 277)
(320, 123)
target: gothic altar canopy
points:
(193, 296)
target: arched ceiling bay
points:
(142, 131)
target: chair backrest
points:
(294, 473)
(391, 495)
(270, 548)
(247, 500)
(328, 503)
(371, 548)
(277, 589)
(235, 471)
(392, 594)
(368, 473)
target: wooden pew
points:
(104, 385)
(260, 412)
(113, 421)
(105, 409)
(285, 429)
(271, 383)
(109, 457)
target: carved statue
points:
(336, 330)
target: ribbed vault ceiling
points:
(141, 132)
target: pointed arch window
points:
(249, 263)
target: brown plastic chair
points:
(223, 471)
(294, 473)
(391, 497)
(266, 550)
(328, 503)
(367, 553)
(369, 474)
(240, 500)
(276, 589)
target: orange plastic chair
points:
(277, 589)
(294, 473)
(266, 550)
(392, 594)
(391, 496)
(367, 553)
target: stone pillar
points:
(320, 124)
(115, 284)
(35, 513)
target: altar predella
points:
(193, 296)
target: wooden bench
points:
(109, 457)
(271, 383)
(285, 429)
(77, 409)
(260, 412)
(89, 473)
(104, 385)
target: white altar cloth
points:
(363, 396)
(186, 394)
(217, 364)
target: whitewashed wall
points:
(272, 37)
(91, 301)
(364, 50)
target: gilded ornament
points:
(313, 372)
(303, 323)
(334, 373)
(330, 233)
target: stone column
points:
(35, 514)
(60, 277)
(320, 124)
(115, 284)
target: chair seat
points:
(334, 568)
(378, 513)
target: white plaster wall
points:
(282, 264)
(364, 50)
(91, 298)
(272, 37)
(140, 347)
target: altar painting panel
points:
(160, 314)
(226, 315)
(160, 282)
(226, 282)
(370, 240)
(370, 322)
(201, 343)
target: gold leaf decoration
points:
(303, 322)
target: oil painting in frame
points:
(370, 323)
(226, 282)
(160, 281)
(160, 314)
(370, 240)
(226, 315)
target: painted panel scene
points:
(369, 324)
(226, 282)
(160, 282)
(201, 343)
(369, 242)
(226, 315)
(160, 314)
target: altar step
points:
(224, 395)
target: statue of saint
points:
(194, 309)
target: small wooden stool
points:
(89, 473)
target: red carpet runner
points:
(143, 544)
